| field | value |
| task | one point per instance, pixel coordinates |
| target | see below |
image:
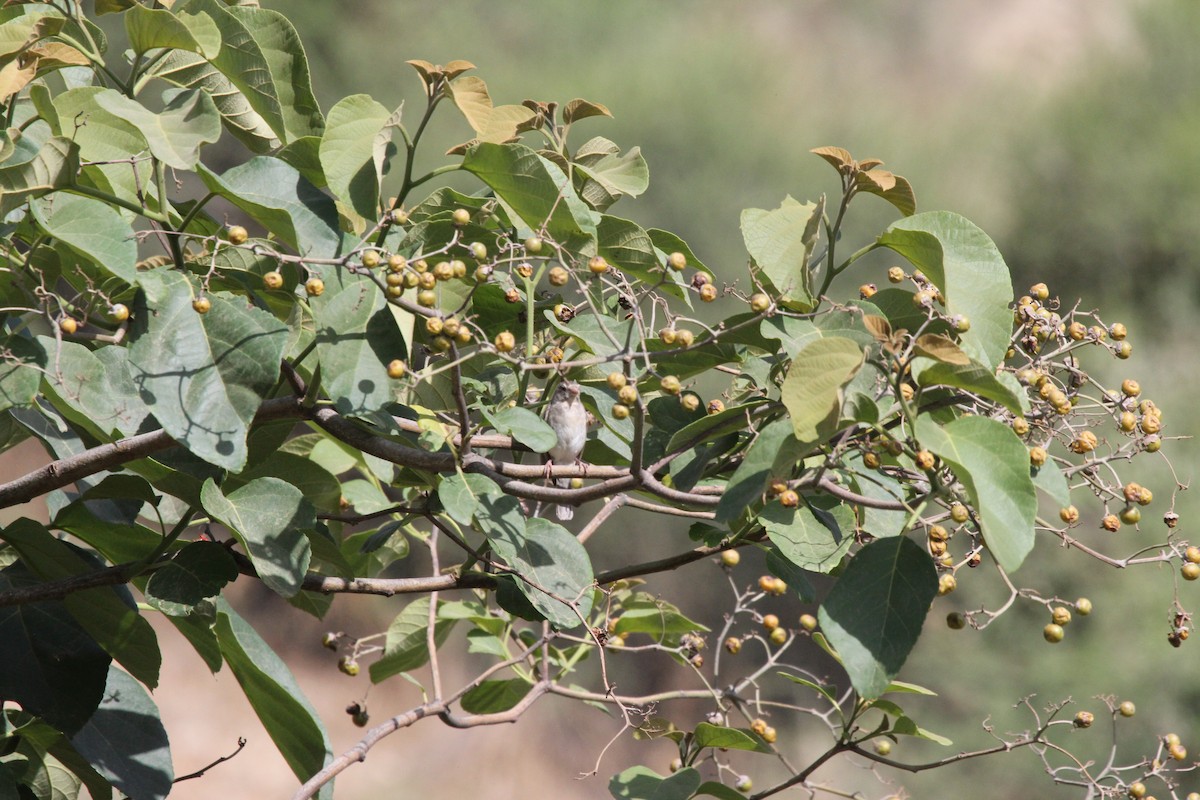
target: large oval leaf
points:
(812, 390)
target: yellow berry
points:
(770, 621)
(616, 380)
(777, 636)
(684, 337)
(627, 394)
(533, 244)
(1130, 388)
(237, 234)
(1040, 291)
(597, 265)
(1037, 456)
(947, 584)
(427, 298)
(68, 325)
(959, 513)
(708, 293)
(397, 263)
(370, 259)
(1111, 523)
(558, 276)
(867, 290)
(1117, 331)
(677, 261)
(620, 411)
(808, 622)
(315, 287)
(924, 460)
(1084, 719)
(730, 558)
(201, 305)
(1069, 515)
(1083, 606)
(895, 274)
(1190, 571)
(1053, 633)
(715, 407)
(1124, 350)
(670, 384)
(668, 335)
(1192, 554)
(789, 498)
(1127, 708)
(461, 216)
(396, 369)
(119, 312)
(434, 325)
(1020, 426)
(759, 302)
(505, 342)
(690, 402)
(1060, 615)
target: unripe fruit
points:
(458, 269)
(766, 583)
(907, 392)
(730, 558)
(1190, 571)
(440, 344)
(443, 271)
(426, 280)
(1127, 709)
(871, 460)
(396, 369)
(273, 280)
(434, 325)
(1077, 331)
(715, 407)
(1117, 331)
(478, 250)
(558, 276)
(959, 513)
(690, 402)
(627, 394)
(759, 302)
(789, 499)
(668, 335)
(1020, 426)
(670, 384)
(397, 263)
(675, 765)
(482, 274)
(744, 784)
(1083, 606)
(1111, 523)
(1127, 421)
(512, 296)
(769, 736)
(201, 305)
(867, 290)
(924, 460)
(947, 584)
(1069, 515)
(1177, 751)
(778, 636)
(237, 234)
(370, 259)
(1060, 615)
(68, 325)
(348, 665)
(770, 622)
(461, 216)
(119, 312)
(1137, 790)
(620, 411)
(533, 245)
(1130, 388)
(427, 298)
(1084, 719)
(1053, 633)
(1131, 515)
(399, 216)
(505, 342)
(938, 534)
(808, 622)
(597, 265)
(1151, 423)
(1124, 350)
(684, 338)
(1085, 442)
(962, 323)
(1192, 554)
(895, 274)
(778, 587)
(956, 621)
(1037, 456)
(315, 287)
(330, 641)
(677, 261)
(708, 293)
(883, 747)
(616, 380)
(1132, 491)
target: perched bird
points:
(568, 418)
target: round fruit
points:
(1137, 790)
(443, 271)
(1020, 426)
(759, 302)
(330, 641)
(1177, 751)
(769, 736)
(778, 636)
(620, 411)
(1040, 291)
(766, 583)
(1077, 331)
(482, 274)
(479, 250)
(534, 244)
(938, 534)
(616, 380)
(1131, 515)
(871, 460)
(238, 234)
(867, 290)
(426, 280)
(1124, 350)
(1117, 331)
(450, 326)
(315, 287)
(273, 280)
(1083, 606)
(789, 498)
(1053, 633)
(770, 622)
(396, 369)
(1127, 709)
(883, 747)
(1037, 456)
(708, 293)
(1190, 571)
(1060, 615)
(512, 296)
(959, 513)
(1069, 515)
(434, 325)
(779, 587)
(399, 216)
(924, 460)
(895, 274)
(808, 622)
(715, 407)
(460, 217)
(670, 384)
(597, 265)
(201, 305)
(1192, 554)
(119, 312)
(1151, 424)
(1111, 523)
(370, 259)
(668, 335)
(684, 337)
(730, 558)
(627, 394)
(947, 584)
(690, 402)
(956, 621)
(1085, 442)
(348, 665)
(505, 342)
(962, 323)
(458, 269)
(1084, 719)
(744, 784)
(360, 718)
(677, 261)
(427, 298)
(558, 276)
(1130, 388)
(397, 263)
(440, 344)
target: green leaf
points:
(608, 174)
(666, 243)
(52, 667)
(315, 483)
(199, 571)
(20, 371)
(534, 188)
(93, 230)
(795, 577)
(812, 390)
(719, 791)
(902, 725)
(780, 242)
(643, 783)
(126, 742)
(188, 120)
(1050, 479)
(707, 735)
(203, 376)
(276, 196)
(492, 697)
(645, 613)
(101, 136)
(290, 720)
(828, 692)
(526, 427)
(269, 517)
(490, 123)
(460, 493)
(350, 159)
(773, 453)
(802, 539)
(54, 166)
(198, 630)
(874, 613)
(552, 562)
(973, 377)
(627, 246)
(964, 263)
(713, 426)
(96, 385)
(406, 648)
(107, 613)
(149, 29)
(993, 465)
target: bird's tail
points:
(564, 512)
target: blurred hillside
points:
(1066, 130)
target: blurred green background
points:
(1067, 130)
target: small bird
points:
(568, 419)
